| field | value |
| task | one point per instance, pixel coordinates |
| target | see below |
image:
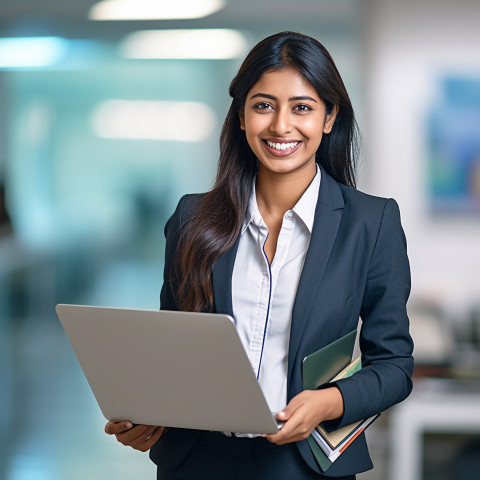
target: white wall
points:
(410, 45)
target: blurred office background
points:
(105, 123)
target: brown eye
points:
(302, 108)
(262, 106)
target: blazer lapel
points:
(328, 214)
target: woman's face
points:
(284, 120)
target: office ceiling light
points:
(25, 52)
(184, 44)
(153, 120)
(153, 9)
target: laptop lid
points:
(174, 369)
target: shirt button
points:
(288, 215)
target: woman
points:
(286, 245)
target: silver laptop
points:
(174, 369)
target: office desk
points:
(435, 406)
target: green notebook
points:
(320, 367)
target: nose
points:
(281, 122)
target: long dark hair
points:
(216, 224)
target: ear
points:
(330, 119)
(241, 116)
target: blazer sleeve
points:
(385, 342)
(172, 235)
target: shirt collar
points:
(304, 208)
(252, 214)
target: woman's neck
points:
(278, 192)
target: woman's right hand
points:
(139, 437)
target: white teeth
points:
(282, 146)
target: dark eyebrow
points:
(291, 99)
(302, 97)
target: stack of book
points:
(329, 365)
(335, 442)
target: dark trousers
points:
(217, 457)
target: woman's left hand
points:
(305, 411)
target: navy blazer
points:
(356, 266)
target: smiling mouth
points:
(281, 145)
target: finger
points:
(282, 439)
(284, 415)
(293, 405)
(107, 427)
(148, 439)
(155, 436)
(283, 433)
(144, 434)
(115, 428)
(138, 432)
(294, 429)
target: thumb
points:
(294, 404)
(285, 414)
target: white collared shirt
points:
(263, 294)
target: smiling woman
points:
(284, 121)
(287, 246)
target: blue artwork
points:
(454, 148)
